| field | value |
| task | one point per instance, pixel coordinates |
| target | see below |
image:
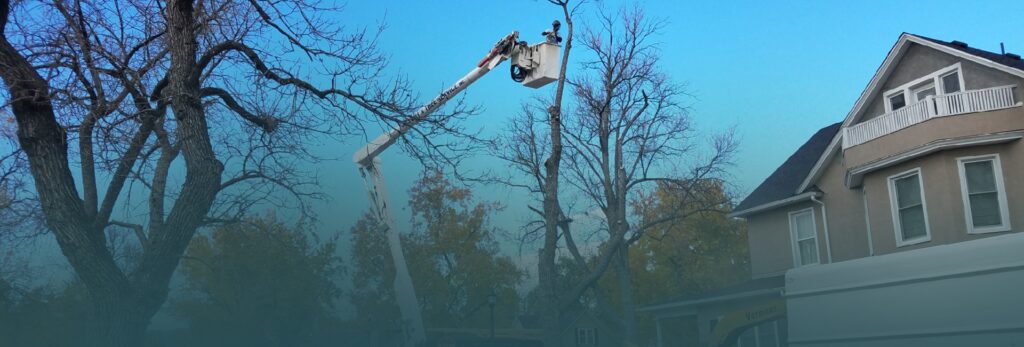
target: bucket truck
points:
(533, 66)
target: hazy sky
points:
(775, 72)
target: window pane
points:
(980, 177)
(912, 222)
(808, 251)
(951, 83)
(985, 209)
(766, 335)
(897, 101)
(924, 93)
(908, 191)
(804, 225)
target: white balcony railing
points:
(938, 106)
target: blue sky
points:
(776, 72)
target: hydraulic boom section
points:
(533, 66)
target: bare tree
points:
(627, 134)
(202, 108)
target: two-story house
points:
(929, 155)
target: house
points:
(580, 327)
(929, 156)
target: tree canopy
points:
(260, 283)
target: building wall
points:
(917, 135)
(943, 198)
(771, 251)
(859, 218)
(924, 61)
(845, 209)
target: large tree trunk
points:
(624, 277)
(123, 305)
(546, 270)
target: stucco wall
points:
(941, 128)
(845, 209)
(941, 178)
(771, 251)
(924, 61)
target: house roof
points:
(783, 183)
(1003, 59)
(993, 60)
(753, 287)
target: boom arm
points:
(532, 66)
(498, 54)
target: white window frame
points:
(960, 76)
(1004, 210)
(918, 88)
(895, 209)
(795, 242)
(936, 77)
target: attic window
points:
(944, 81)
(951, 82)
(897, 101)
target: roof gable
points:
(782, 183)
(993, 60)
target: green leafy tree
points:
(704, 251)
(260, 283)
(29, 314)
(453, 258)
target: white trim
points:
(887, 99)
(922, 87)
(960, 77)
(824, 222)
(894, 207)
(867, 221)
(855, 175)
(895, 52)
(773, 204)
(826, 156)
(911, 88)
(795, 239)
(997, 171)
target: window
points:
(909, 212)
(897, 101)
(951, 82)
(805, 237)
(923, 91)
(586, 337)
(981, 185)
(948, 78)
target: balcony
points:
(971, 101)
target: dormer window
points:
(924, 90)
(897, 101)
(944, 81)
(951, 82)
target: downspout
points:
(867, 220)
(824, 220)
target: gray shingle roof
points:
(786, 179)
(1015, 63)
(783, 183)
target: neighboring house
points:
(580, 327)
(931, 154)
